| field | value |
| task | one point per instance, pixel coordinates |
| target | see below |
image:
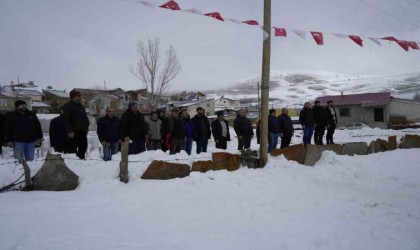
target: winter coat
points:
(174, 127)
(57, 132)
(306, 117)
(155, 129)
(330, 117)
(242, 126)
(320, 115)
(190, 130)
(216, 127)
(286, 124)
(202, 126)
(133, 125)
(21, 127)
(75, 117)
(273, 125)
(1, 129)
(109, 129)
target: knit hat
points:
(220, 113)
(74, 93)
(19, 102)
(271, 111)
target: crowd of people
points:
(175, 132)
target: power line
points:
(403, 8)
(413, 3)
(372, 6)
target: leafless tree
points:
(155, 79)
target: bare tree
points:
(157, 81)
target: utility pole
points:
(265, 80)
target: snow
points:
(343, 202)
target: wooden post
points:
(265, 83)
(124, 162)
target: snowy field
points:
(343, 202)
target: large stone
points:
(295, 152)
(410, 141)
(354, 148)
(223, 160)
(54, 175)
(161, 170)
(393, 141)
(202, 166)
(314, 152)
(379, 145)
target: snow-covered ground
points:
(343, 202)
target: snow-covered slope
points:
(294, 87)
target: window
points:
(344, 111)
(379, 115)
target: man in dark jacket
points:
(134, 129)
(220, 128)
(243, 130)
(109, 133)
(76, 124)
(273, 130)
(174, 131)
(57, 132)
(1, 132)
(320, 115)
(202, 126)
(332, 122)
(307, 119)
(22, 131)
(190, 131)
(286, 128)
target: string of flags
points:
(317, 36)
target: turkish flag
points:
(251, 22)
(390, 38)
(413, 45)
(215, 15)
(280, 32)
(319, 39)
(172, 5)
(403, 44)
(357, 39)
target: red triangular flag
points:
(390, 38)
(215, 15)
(279, 32)
(172, 5)
(251, 22)
(413, 45)
(319, 39)
(403, 44)
(357, 39)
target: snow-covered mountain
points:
(294, 87)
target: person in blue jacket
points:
(190, 131)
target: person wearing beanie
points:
(76, 124)
(22, 131)
(320, 115)
(57, 132)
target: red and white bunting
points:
(357, 39)
(239, 22)
(148, 4)
(403, 44)
(413, 45)
(340, 36)
(389, 38)
(280, 32)
(375, 40)
(215, 15)
(172, 5)
(251, 22)
(194, 11)
(318, 37)
(300, 33)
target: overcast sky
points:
(82, 43)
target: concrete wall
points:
(362, 114)
(408, 108)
